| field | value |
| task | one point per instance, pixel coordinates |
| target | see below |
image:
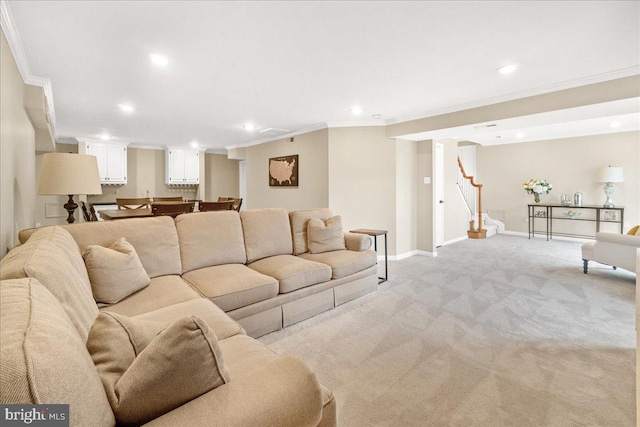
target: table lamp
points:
(609, 175)
(66, 174)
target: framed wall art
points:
(283, 171)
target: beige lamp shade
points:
(609, 174)
(68, 174)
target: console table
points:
(552, 213)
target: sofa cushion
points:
(210, 238)
(344, 263)
(219, 322)
(115, 272)
(53, 257)
(325, 236)
(292, 272)
(299, 221)
(162, 291)
(149, 368)
(155, 240)
(232, 286)
(266, 233)
(44, 360)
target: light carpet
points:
(504, 331)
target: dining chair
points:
(134, 203)
(171, 209)
(169, 199)
(216, 206)
(237, 202)
(89, 214)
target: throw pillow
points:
(148, 368)
(114, 272)
(325, 236)
(635, 231)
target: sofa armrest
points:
(357, 242)
(284, 393)
(621, 239)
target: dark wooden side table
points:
(375, 234)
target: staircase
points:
(472, 194)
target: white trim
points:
(149, 147)
(357, 123)
(425, 253)
(570, 84)
(15, 44)
(456, 240)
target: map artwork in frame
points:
(283, 171)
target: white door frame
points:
(438, 194)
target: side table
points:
(375, 234)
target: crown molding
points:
(15, 44)
(569, 84)
(357, 123)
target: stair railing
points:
(480, 233)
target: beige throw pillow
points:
(325, 236)
(148, 368)
(115, 272)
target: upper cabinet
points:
(182, 166)
(112, 160)
(36, 106)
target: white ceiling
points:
(295, 65)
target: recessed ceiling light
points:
(249, 126)
(356, 110)
(194, 144)
(507, 69)
(376, 116)
(615, 124)
(519, 135)
(158, 59)
(105, 137)
(126, 108)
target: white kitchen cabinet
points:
(182, 166)
(112, 160)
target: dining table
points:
(113, 214)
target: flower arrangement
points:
(537, 187)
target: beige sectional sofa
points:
(240, 275)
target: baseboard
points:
(459, 239)
(407, 255)
(425, 253)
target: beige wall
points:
(146, 172)
(406, 196)
(424, 204)
(221, 175)
(362, 179)
(570, 165)
(312, 191)
(17, 154)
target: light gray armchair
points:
(617, 250)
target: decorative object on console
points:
(577, 199)
(565, 200)
(537, 187)
(609, 175)
(283, 171)
(572, 214)
(67, 174)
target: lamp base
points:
(71, 206)
(608, 191)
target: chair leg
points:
(585, 265)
